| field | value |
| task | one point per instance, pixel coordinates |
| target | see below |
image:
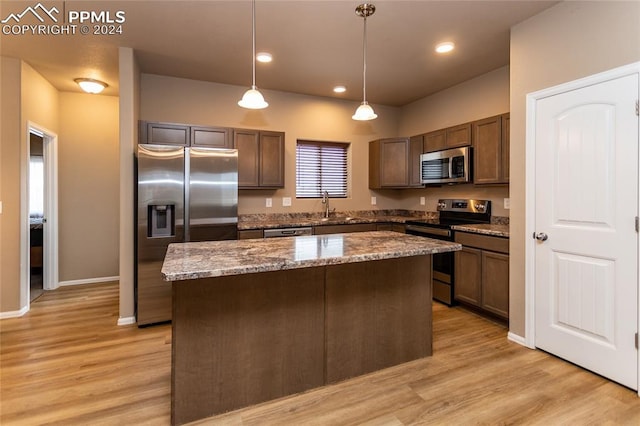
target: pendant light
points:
(364, 111)
(252, 98)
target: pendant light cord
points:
(253, 35)
(364, 62)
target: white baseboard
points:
(126, 320)
(516, 339)
(88, 281)
(14, 314)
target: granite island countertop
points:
(185, 261)
(485, 229)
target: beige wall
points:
(10, 126)
(88, 181)
(564, 43)
(26, 97)
(481, 97)
(300, 117)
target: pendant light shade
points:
(364, 111)
(252, 98)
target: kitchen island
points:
(255, 320)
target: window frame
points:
(346, 148)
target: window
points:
(321, 166)
(36, 186)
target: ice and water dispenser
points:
(162, 222)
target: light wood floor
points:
(66, 362)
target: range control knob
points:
(480, 207)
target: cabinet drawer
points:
(485, 242)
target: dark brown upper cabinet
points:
(212, 137)
(164, 133)
(451, 137)
(260, 158)
(185, 135)
(395, 162)
(491, 150)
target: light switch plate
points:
(0, 207)
(269, 202)
(507, 203)
(286, 201)
(422, 201)
(374, 201)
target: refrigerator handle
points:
(187, 187)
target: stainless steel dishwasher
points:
(288, 232)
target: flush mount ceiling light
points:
(90, 85)
(445, 47)
(339, 89)
(252, 98)
(364, 111)
(264, 57)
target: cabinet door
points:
(487, 150)
(247, 143)
(416, 149)
(394, 163)
(435, 141)
(250, 234)
(506, 140)
(211, 137)
(271, 161)
(164, 133)
(459, 135)
(468, 268)
(495, 283)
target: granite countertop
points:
(185, 261)
(317, 221)
(485, 229)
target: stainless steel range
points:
(452, 212)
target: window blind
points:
(321, 166)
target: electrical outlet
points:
(374, 201)
(422, 201)
(286, 201)
(269, 202)
(507, 203)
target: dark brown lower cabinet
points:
(482, 273)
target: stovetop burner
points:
(458, 212)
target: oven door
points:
(442, 263)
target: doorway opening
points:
(36, 214)
(40, 214)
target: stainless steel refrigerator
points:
(182, 194)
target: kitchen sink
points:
(337, 219)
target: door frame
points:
(530, 187)
(50, 279)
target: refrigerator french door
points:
(182, 194)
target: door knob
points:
(540, 236)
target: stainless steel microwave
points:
(448, 166)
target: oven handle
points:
(432, 231)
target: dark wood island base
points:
(243, 339)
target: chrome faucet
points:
(325, 201)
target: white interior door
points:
(586, 195)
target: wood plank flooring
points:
(66, 362)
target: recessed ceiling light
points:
(90, 85)
(339, 89)
(264, 57)
(445, 47)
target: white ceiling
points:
(315, 44)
